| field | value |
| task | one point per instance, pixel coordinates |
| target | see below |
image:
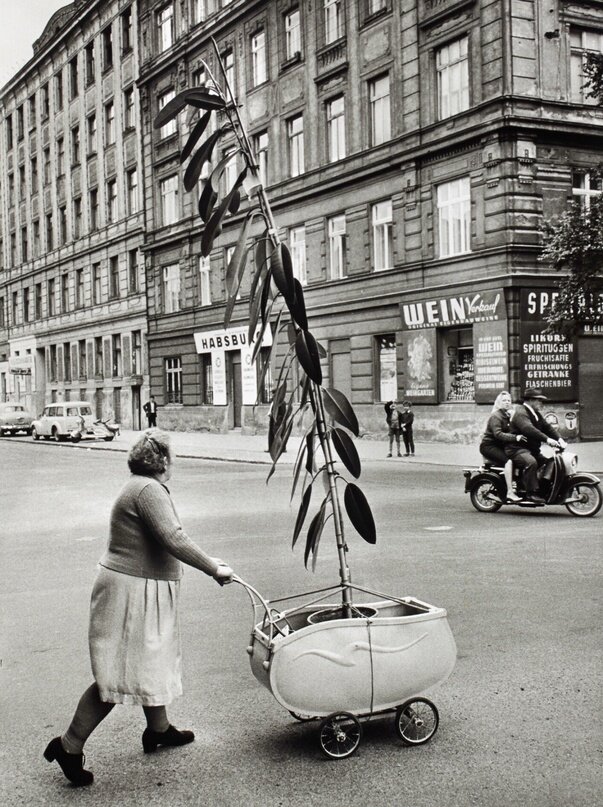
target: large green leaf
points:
(279, 443)
(194, 136)
(298, 306)
(359, 512)
(301, 514)
(307, 353)
(204, 98)
(257, 343)
(210, 194)
(255, 302)
(210, 231)
(201, 156)
(340, 409)
(282, 272)
(346, 450)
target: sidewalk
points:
(236, 447)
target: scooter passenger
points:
(497, 436)
(528, 421)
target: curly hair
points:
(150, 454)
(498, 402)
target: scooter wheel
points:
(486, 497)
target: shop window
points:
(207, 384)
(386, 367)
(265, 389)
(173, 380)
(456, 363)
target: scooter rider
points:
(528, 421)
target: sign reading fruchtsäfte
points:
(548, 359)
(475, 306)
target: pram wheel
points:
(416, 721)
(340, 735)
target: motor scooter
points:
(103, 429)
(560, 483)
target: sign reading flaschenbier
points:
(548, 359)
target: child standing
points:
(394, 425)
(407, 417)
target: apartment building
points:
(72, 281)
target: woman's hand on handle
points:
(223, 574)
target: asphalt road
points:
(520, 715)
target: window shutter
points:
(60, 363)
(126, 355)
(76, 370)
(90, 358)
(107, 351)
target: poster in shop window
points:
(490, 360)
(420, 366)
(548, 360)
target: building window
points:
(199, 77)
(258, 58)
(90, 63)
(58, 90)
(199, 11)
(98, 356)
(45, 101)
(292, 34)
(91, 132)
(207, 384)
(165, 28)
(26, 306)
(77, 217)
(63, 224)
(297, 244)
(382, 236)
(126, 30)
(15, 308)
(22, 189)
(133, 271)
(36, 238)
(582, 42)
(333, 20)
(96, 283)
(116, 359)
(171, 126)
(13, 249)
(585, 187)
(75, 145)
(168, 189)
(129, 111)
(132, 186)
(260, 147)
(79, 288)
(67, 361)
(452, 69)
(64, 293)
(114, 277)
(386, 367)
(94, 209)
(173, 380)
(229, 68)
(107, 40)
(109, 123)
(24, 245)
(454, 214)
(51, 295)
(204, 281)
(38, 301)
(136, 353)
(230, 173)
(73, 79)
(380, 110)
(20, 123)
(11, 189)
(2, 316)
(112, 214)
(52, 360)
(32, 112)
(171, 288)
(457, 375)
(82, 359)
(295, 137)
(60, 156)
(337, 247)
(336, 129)
(9, 132)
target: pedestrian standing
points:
(407, 417)
(392, 416)
(150, 409)
(134, 637)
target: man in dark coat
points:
(528, 421)
(150, 409)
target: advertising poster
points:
(548, 360)
(420, 376)
(248, 378)
(491, 360)
(218, 369)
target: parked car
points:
(61, 420)
(14, 418)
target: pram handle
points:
(271, 615)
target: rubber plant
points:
(276, 301)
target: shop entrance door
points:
(236, 387)
(590, 380)
(136, 408)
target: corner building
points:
(72, 286)
(411, 150)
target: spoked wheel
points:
(485, 497)
(417, 721)
(340, 735)
(589, 499)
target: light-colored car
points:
(60, 420)
(14, 418)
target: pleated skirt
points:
(134, 639)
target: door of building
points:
(590, 384)
(236, 387)
(117, 404)
(341, 366)
(136, 408)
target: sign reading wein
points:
(484, 306)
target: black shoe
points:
(71, 764)
(388, 456)
(536, 499)
(151, 739)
